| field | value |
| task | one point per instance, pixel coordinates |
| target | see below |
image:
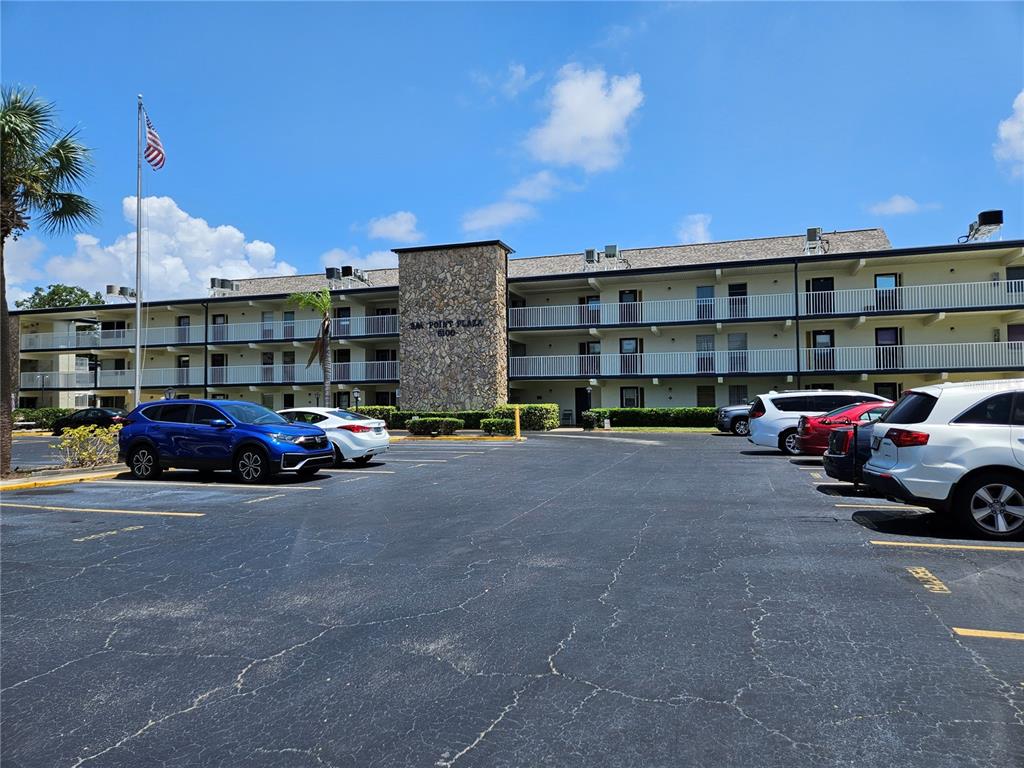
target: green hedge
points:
(535, 417)
(43, 417)
(385, 413)
(430, 426)
(498, 426)
(650, 417)
(397, 419)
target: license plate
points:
(377, 430)
(876, 443)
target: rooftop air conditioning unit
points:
(346, 271)
(611, 251)
(111, 290)
(333, 273)
(590, 256)
(988, 223)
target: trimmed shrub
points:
(432, 426)
(397, 419)
(589, 420)
(534, 417)
(385, 413)
(498, 426)
(89, 446)
(651, 417)
(43, 417)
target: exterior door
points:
(288, 366)
(583, 403)
(288, 325)
(888, 348)
(589, 311)
(887, 291)
(342, 364)
(266, 324)
(705, 302)
(737, 300)
(181, 335)
(590, 358)
(219, 332)
(820, 295)
(342, 325)
(705, 353)
(267, 367)
(181, 370)
(737, 352)
(823, 350)
(218, 371)
(631, 356)
(629, 306)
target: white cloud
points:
(20, 257)
(541, 186)
(587, 124)
(350, 257)
(1010, 148)
(399, 226)
(516, 80)
(899, 205)
(694, 228)
(180, 255)
(495, 215)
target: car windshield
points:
(347, 415)
(250, 413)
(837, 411)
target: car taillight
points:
(357, 427)
(756, 411)
(906, 438)
(123, 420)
(847, 439)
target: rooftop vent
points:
(987, 224)
(221, 287)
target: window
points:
(1015, 278)
(289, 400)
(705, 396)
(27, 402)
(887, 294)
(631, 397)
(385, 355)
(1017, 417)
(890, 390)
(992, 411)
(738, 394)
(204, 414)
(267, 400)
(342, 399)
(306, 417)
(250, 413)
(384, 398)
(178, 413)
(912, 408)
(875, 413)
(791, 404)
(218, 396)
(385, 311)
(629, 306)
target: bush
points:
(535, 417)
(498, 426)
(650, 417)
(385, 413)
(397, 419)
(89, 446)
(43, 417)
(432, 426)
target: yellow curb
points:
(59, 481)
(31, 433)
(482, 438)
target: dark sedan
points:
(99, 417)
(849, 449)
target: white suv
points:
(956, 448)
(774, 416)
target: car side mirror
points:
(219, 424)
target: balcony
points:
(652, 312)
(654, 364)
(368, 325)
(1008, 355)
(914, 298)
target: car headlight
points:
(282, 438)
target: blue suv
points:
(207, 435)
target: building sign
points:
(445, 327)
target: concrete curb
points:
(20, 485)
(480, 438)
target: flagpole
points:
(138, 261)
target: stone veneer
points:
(452, 304)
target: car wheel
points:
(992, 505)
(363, 460)
(252, 465)
(144, 463)
(339, 457)
(741, 427)
(788, 443)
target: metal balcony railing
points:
(368, 325)
(655, 364)
(914, 298)
(1007, 355)
(372, 370)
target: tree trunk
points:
(7, 356)
(325, 364)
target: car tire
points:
(339, 457)
(144, 463)
(741, 427)
(252, 465)
(363, 459)
(788, 443)
(991, 505)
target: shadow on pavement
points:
(219, 478)
(910, 522)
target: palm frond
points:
(66, 211)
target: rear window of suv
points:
(912, 408)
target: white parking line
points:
(432, 461)
(264, 498)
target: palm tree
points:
(319, 302)
(41, 168)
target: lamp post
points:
(169, 393)
(356, 394)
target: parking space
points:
(627, 600)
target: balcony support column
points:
(796, 318)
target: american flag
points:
(154, 149)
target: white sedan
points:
(353, 435)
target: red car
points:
(812, 431)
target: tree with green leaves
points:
(59, 295)
(42, 169)
(319, 302)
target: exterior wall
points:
(453, 314)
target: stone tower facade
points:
(453, 344)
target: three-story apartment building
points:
(704, 324)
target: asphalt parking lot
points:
(35, 452)
(626, 600)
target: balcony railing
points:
(368, 325)
(655, 364)
(914, 298)
(652, 312)
(928, 357)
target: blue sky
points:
(298, 130)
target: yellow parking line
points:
(816, 475)
(107, 511)
(929, 580)
(200, 484)
(991, 633)
(947, 546)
